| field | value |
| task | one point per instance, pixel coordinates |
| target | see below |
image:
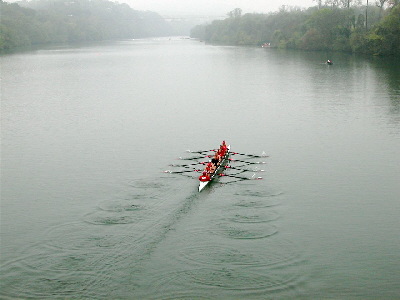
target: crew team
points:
(214, 163)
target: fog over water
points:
(212, 7)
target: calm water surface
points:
(87, 212)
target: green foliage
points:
(313, 40)
(325, 29)
(382, 39)
(59, 21)
(387, 41)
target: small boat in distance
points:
(213, 167)
(329, 62)
(266, 45)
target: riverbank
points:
(372, 30)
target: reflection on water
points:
(88, 213)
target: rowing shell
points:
(223, 163)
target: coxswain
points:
(204, 177)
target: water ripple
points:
(120, 206)
(274, 254)
(113, 218)
(240, 279)
(257, 193)
(78, 236)
(253, 216)
(228, 283)
(40, 284)
(244, 232)
(259, 203)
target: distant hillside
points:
(61, 21)
(351, 29)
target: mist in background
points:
(212, 7)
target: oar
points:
(241, 177)
(249, 155)
(179, 172)
(200, 151)
(240, 169)
(248, 162)
(190, 158)
(197, 163)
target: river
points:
(87, 211)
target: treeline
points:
(372, 30)
(62, 21)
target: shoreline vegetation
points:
(336, 25)
(373, 30)
(44, 22)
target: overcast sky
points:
(212, 7)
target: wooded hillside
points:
(372, 30)
(59, 21)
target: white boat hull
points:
(202, 185)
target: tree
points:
(59, 21)
(385, 37)
(380, 3)
(319, 2)
(236, 13)
(337, 29)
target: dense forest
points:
(337, 27)
(27, 23)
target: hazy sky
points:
(212, 7)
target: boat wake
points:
(163, 241)
(227, 245)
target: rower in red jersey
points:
(210, 168)
(222, 151)
(223, 147)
